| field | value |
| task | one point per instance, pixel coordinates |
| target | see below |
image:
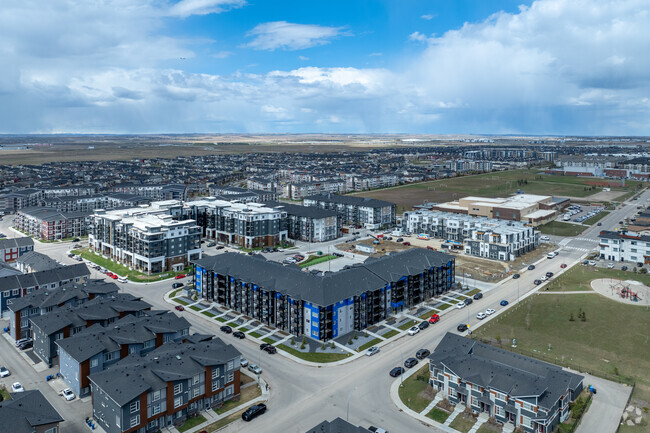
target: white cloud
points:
(418, 37)
(303, 58)
(428, 17)
(185, 8)
(290, 36)
(222, 54)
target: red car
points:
(109, 273)
(563, 265)
(113, 276)
(408, 244)
(434, 319)
(179, 308)
(179, 276)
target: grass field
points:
(415, 393)
(561, 229)
(314, 357)
(462, 423)
(580, 277)
(438, 415)
(498, 184)
(611, 343)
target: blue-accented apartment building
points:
(325, 305)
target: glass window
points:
(155, 396)
(178, 388)
(135, 420)
(134, 406)
(178, 401)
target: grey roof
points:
(331, 287)
(302, 211)
(338, 425)
(25, 411)
(6, 270)
(133, 375)
(65, 293)
(47, 214)
(350, 200)
(508, 372)
(37, 261)
(23, 241)
(617, 235)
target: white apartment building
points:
(624, 247)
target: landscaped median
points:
(314, 260)
(321, 357)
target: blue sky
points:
(358, 66)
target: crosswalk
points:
(584, 250)
(585, 240)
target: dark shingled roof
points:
(338, 425)
(331, 287)
(23, 241)
(302, 211)
(38, 262)
(350, 200)
(50, 297)
(26, 411)
(508, 372)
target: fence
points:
(578, 417)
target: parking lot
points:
(578, 213)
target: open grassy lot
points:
(246, 394)
(561, 229)
(496, 184)
(612, 342)
(580, 278)
(415, 392)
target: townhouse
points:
(480, 237)
(71, 319)
(357, 211)
(96, 348)
(16, 286)
(50, 224)
(531, 394)
(29, 412)
(35, 262)
(164, 387)
(308, 223)
(624, 247)
(13, 248)
(147, 239)
(328, 305)
(39, 302)
(6, 270)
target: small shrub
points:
(583, 317)
(350, 341)
(293, 341)
(643, 270)
(333, 346)
(498, 338)
(365, 334)
(302, 346)
(322, 346)
(304, 340)
(571, 318)
(355, 335)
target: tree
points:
(571, 318)
(332, 345)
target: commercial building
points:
(147, 239)
(481, 237)
(624, 247)
(164, 387)
(29, 412)
(96, 348)
(13, 248)
(50, 224)
(308, 223)
(328, 305)
(358, 211)
(512, 388)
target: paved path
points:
(457, 411)
(482, 419)
(607, 406)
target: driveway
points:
(607, 406)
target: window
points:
(52, 430)
(155, 409)
(178, 388)
(135, 420)
(132, 349)
(500, 395)
(5, 293)
(117, 421)
(196, 379)
(195, 392)
(149, 343)
(231, 377)
(94, 363)
(526, 422)
(498, 410)
(529, 407)
(109, 356)
(15, 292)
(178, 401)
(134, 406)
(215, 372)
(215, 385)
(473, 401)
(155, 396)
(231, 365)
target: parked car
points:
(75, 239)
(610, 265)
(122, 280)
(396, 371)
(26, 345)
(270, 349)
(481, 315)
(423, 325)
(543, 278)
(239, 334)
(462, 327)
(531, 267)
(549, 274)
(592, 263)
(115, 277)
(254, 368)
(410, 362)
(468, 301)
(599, 224)
(399, 240)
(177, 285)
(515, 276)
(253, 412)
(623, 268)
(563, 265)
(422, 353)
(372, 351)
(408, 244)
(503, 303)
(179, 308)
(21, 341)
(460, 305)
(434, 318)
(4, 372)
(17, 387)
(639, 264)
(211, 244)
(413, 330)
(68, 394)
(220, 247)
(489, 311)
(537, 282)
(227, 329)
(243, 362)
(374, 429)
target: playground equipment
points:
(624, 291)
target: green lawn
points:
(220, 319)
(180, 301)
(390, 333)
(462, 423)
(579, 278)
(195, 308)
(611, 343)
(232, 324)
(489, 428)
(269, 340)
(369, 344)
(247, 394)
(428, 314)
(439, 415)
(173, 294)
(561, 229)
(4, 393)
(207, 313)
(255, 334)
(314, 260)
(444, 307)
(418, 391)
(314, 357)
(407, 325)
(594, 219)
(191, 423)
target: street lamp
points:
(401, 376)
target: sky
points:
(560, 67)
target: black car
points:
(220, 247)
(396, 371)
(270, 349)
(477, 296)
(639, 264)
(410, 362)
(177, 285)
(531, 267)
(75, 239)
(468, 301)
(26, 345)
(253, 412)
(624, 268)
(462, 327)
(515, 276)
(422, 353)
(423, 325)
(399, 240)
(239, 334)
(549, 274)
(227, 329)
(537, 282)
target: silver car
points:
(372, 350)
(255, 369)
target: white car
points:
(460, 305)
(243, 362)
(610, 265)
(489, 311)
(372, 351)
(592, 263)
(68, 394)
(4, 372)
(414, 330)
(543, 278)
(481, 315)
(17, 387)
(122, 280)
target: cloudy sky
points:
(358, 66)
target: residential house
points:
(35, 262)
(29, 412)
(13, 248)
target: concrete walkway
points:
(435, 401)
(457, 411)
(482, 418)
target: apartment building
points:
(147, 239)
(17, 286)
(482, 237)
(70, 319)
(50, 224)
(241, 195)
(357, 211)
(164, 387)
(90, 203)
(156, 192)
(624, 247)
(530, 394)
(300, 190)
(13, 248)
(48, 299)
(29, 412)
(262, 183)
(308, 223)
(96, 348)
(12, 201)
(328, 305)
